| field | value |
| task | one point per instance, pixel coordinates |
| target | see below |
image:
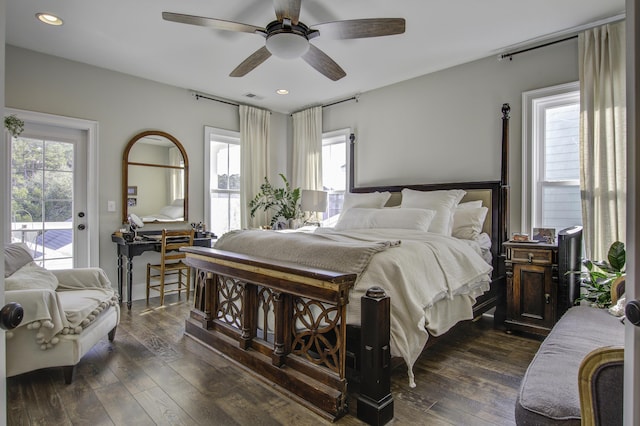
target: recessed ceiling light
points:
(282, 92)
(48, 18)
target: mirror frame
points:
(125, 171)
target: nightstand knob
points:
(530, 257)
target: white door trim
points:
(91, 127)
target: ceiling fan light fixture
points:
(287, 45)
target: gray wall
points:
(446, 126)
(442, 127)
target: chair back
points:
(171, 242)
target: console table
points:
(145, 241)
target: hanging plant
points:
(14, 125)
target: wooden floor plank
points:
(121, 406)
(153, 374)
(161, 408)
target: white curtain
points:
(602, 137)
(176, 176)
(307, 149)
(254, 149)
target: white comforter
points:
(423, 270)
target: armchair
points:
(66, 312)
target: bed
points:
(333, 314)
(173, 212)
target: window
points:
(551, 161)
(334, 169)
(222, 179)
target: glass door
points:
(48, 195)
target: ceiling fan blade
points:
(323, 63)
(361, 28)
(287, 9)
(218, 24)
(255, 59)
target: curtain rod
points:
(352, 98)
(222, 101)
(512, 54)
(559, 37)
(198, 96)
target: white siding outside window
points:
(222, 180)
(551, 162)
(334, 170)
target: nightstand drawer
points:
(529, 255)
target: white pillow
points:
(174, 212)
(16, 255)
(468, 222)
(363, 218)
(442, 202)
(31, 276)
(470, 204)
(374, 200)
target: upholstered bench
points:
(549, 393)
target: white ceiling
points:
(131, 37)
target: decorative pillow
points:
(468, 222)
(15, 257)
(374, 200)
(442, 202)
(31, 276)
(470, 204)
(363, 218)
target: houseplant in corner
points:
(284, 203)
(599, 276)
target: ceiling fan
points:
(288, 38)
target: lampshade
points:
(287, 45)
(313, 201)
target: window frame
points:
(221, 135)
(532, 154)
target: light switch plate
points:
(111, 206)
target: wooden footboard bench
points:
(284, 322)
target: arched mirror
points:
(155, 178)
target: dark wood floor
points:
(153, 374)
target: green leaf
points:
(617, 256)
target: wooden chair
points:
(171, 271)
(600, 383)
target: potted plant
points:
(599, 276)
(283, 202)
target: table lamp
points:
(313, 201)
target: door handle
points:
(11, 316)
(632, 312)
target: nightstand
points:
(532, 287)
